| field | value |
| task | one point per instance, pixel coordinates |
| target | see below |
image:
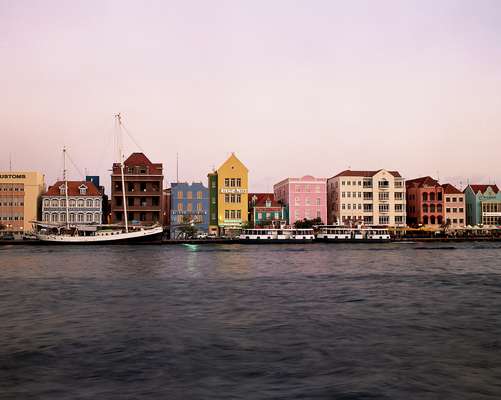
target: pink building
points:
(304, 197)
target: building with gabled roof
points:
(483, 204)
(454, 206)
(143, 191)
(425, 202)
(265, 210)
(84, 203)
(228, 197)
(371, 197)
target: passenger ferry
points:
(337, 233)
(273, 235)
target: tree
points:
(307, 223)
(186, 229)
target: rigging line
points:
(76, 167)
(132, 138)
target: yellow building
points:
(228, 191)
(20, 200)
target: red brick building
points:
(143, 191)
(425, 202)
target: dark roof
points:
(450, 189)
(483, 188)
(139, 159)
(261, 199)
(421, 182)
(73, 189)
(366, 174)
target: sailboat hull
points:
(153, 235)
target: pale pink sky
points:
(293, 87)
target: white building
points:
(84, 203)
(372, 197)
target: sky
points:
(292, 87)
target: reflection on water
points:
(248, 321)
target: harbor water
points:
(312, 321)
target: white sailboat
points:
(69, 233)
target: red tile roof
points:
(483, 188)
(73, 189)
(261, 200)
(450, 189)
(421, 182)
(367, 174)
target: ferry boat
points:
(337, 233)
(274, 235)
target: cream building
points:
(372, 197)
(20, 193)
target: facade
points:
(189, 204)
(483, 205)
(425, 203)
(20, 195)
(265, 210)
(166, 207)
(105, 203)
(228, 197)
(371, 197)
(84, 203)
(454, 206)
(143, 191)
(304, 198)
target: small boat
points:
(274, 235)
(339, 233)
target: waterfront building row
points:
(224, 205)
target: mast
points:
(121, 160)
(66, 188)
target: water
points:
(390, 321)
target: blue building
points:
(189, 204)
(483, 205)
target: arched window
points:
(425, 220)
(439, 208)
(432, 208)
(72, 217)
(97, 203)
(88, 203)
(97, 217)
(62, 217)
(80, 217)
(80, 202)
(88, 217)
(425, 196)
(432, 196)
(53, 217)
(73, 203)
(54, 203)
(439, 220)
(46, 217)
(432, 220)
(46, 203)
(425, 208)
(62, 203)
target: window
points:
(54, 217)
(46, 216)
(179, 206)
(199, 206)
(448, 199)
(461, 210)
(425, 196)
(88, 217)
(232, 182)
(432, 196)
(318, 201)
(80, 203)
(383, 184)
(384, 207)
(189, 206)
(343, 194)
(97, 217)
(239, 182)
(399, 219)
(384, 196)
(46, 203)
(399, 195)
(367, 195)
(73, 202)
(88, 203)
(80, 217)
(72, 217)
(63, 203)
(298, 201)
(399, 207)
(308, 203)
(83, 190)
(97, 203)
(454, 199)
(189, 195)
(179, 194)
(53, 203)
(227, 214)
(367, 207)
(384, 220)
(199, 195)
